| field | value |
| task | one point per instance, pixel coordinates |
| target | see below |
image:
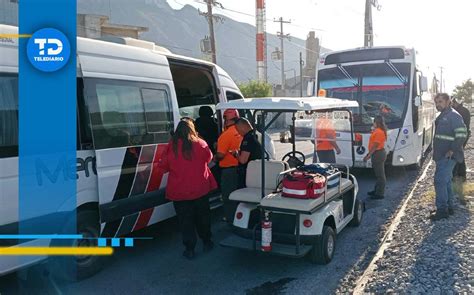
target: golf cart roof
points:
(287, 104)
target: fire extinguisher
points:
(266, 234)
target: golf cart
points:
(266, 219)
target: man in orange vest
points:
(326, 146)
(227, 145)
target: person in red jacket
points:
(190, 180)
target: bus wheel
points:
(76, 268)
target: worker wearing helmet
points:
(228, 142)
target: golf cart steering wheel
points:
(292, 160)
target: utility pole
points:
(368, 25)
(261, 40)
(441, 80)
(301, 74)
(210, 20)
(282, 37)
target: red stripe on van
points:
(154, 184)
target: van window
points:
(195, 88)
(232, 95)
(157, 110)
(125, 113)
(8, 116)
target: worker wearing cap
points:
(228, 142)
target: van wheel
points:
(358, 213)
(415, 167)
(324, 246)
(76, 268)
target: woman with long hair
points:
(378, 155)
(190, 180)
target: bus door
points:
(131, 123)
(333, 137)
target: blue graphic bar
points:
(102, 242)
(47, 117)
(33, 237)
(128, 242)
(115, 242)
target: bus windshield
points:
(380, 89)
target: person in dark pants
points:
(450, 135)
(460, 168)
(378, 156)
(250, 148)
(207, 129)
(228, 142)
(186, 158)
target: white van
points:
(129, 97)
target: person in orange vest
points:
(227, 144)
(378, 156)
(326, 146)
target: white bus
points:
(384, 81)
(129, 97)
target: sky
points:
(441, 31)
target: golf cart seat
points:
(275, 200)
(252, 193)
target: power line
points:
(267, 19)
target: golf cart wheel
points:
(76, 268)
(358, 213)
(324, 246)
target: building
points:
(98, 26)
(293, 83)
(88, 25)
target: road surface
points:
(156, 266)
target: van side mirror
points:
(423, 84)
(418, 101)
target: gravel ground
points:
(425, 257)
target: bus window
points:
(8, 116)
(118, 116)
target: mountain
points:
(181, 31)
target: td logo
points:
(48, 50)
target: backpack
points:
(303, 185)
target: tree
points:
(256, 89)
(464, 91)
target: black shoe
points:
(208, 246)
(377, 197)
(451, 211)
(439, 215)
(371, 193)
(189, 254)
